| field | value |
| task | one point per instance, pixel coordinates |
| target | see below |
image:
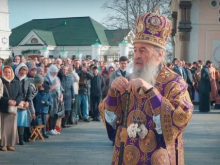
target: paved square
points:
(87, 144)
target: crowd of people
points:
(49, 87)
(58, 91)
(203, 81)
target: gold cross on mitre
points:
(157, 9)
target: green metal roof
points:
(73, 31)
(46, 36)
(116, 36)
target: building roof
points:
(116, 36)
(73, 31)
(46, 36)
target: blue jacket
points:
(42, 96)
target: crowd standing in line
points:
(58, 91)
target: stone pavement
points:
(87, 144)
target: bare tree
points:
(125, 12)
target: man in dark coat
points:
(97, 88)
(180, 70)
(84, 86)
(204, 89)
(189, 79)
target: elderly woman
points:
(28, 95)
(68, 94)
(56, 92)
(12, 96)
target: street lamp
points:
(79, 54)
(44, 52)
(63, 53)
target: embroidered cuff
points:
(155, 99)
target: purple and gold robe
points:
(170, 100)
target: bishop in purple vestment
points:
(159, 107)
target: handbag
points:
(61, 110)
(37, 121)
(11, 108)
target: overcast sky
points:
(22, 11)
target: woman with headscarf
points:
(20, 75)
(40, 71)
(68, 94)
(56, 92)
(32, 70)
(28, 92)
(12, 96)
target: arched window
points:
(34, 40)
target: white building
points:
(196, 30)
(64, 37)
(5, 31)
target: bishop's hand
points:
(120, 84)
(136, 84)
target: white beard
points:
(148, 72)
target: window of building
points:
(34, 41)
(214, 3)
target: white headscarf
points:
(54, 69)
(18, 69)
(12, 74)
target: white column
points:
(124, 48)
(96, 51)
(5, 31)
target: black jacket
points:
(204, 83)
(14, 91)
(189, 76)
(97, 85)
(89, 76)
(177, 70)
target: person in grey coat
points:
(68, 94)
(22, 113)
(123, 61)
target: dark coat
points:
(27, 93)
(42, 96)
(68, 94)
(189, 79)
(14, 91)
(177, 70)
(204, 90)
(97, 85)
(204, 83)
(88, 75)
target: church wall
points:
(208, 29)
